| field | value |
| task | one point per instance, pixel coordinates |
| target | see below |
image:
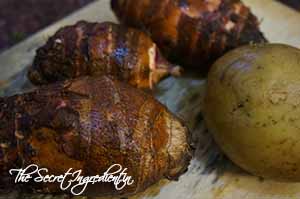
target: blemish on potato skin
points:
(276, 97)
(260, 67)
(283, 141)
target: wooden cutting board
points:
(210, 175)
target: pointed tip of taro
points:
(176, 71)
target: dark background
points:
(292, 3)
(21, 18)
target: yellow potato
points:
(252, 107)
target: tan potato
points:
(252, 107)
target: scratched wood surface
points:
(210, 175)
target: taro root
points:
(97, 49)
(91, 124)
(193, 33)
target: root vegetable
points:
(91, 124)
(100, 49)
(192, 32)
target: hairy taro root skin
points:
(193, 33)
(252, 108)
(91, 124)
(97, 49)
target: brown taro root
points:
(192, 32)
(91, 124)
(100, 49)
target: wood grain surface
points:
(210, 175)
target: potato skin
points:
(97, 49)
(91, 124)
(252, 107)
(193, 33)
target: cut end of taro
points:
(160, 67)
(179, 149)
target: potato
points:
(252, 107)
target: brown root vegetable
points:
(96, 49)
(192, 32)
(91, 124)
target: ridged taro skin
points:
(97, 49)
(91, 124)
(193, 33)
